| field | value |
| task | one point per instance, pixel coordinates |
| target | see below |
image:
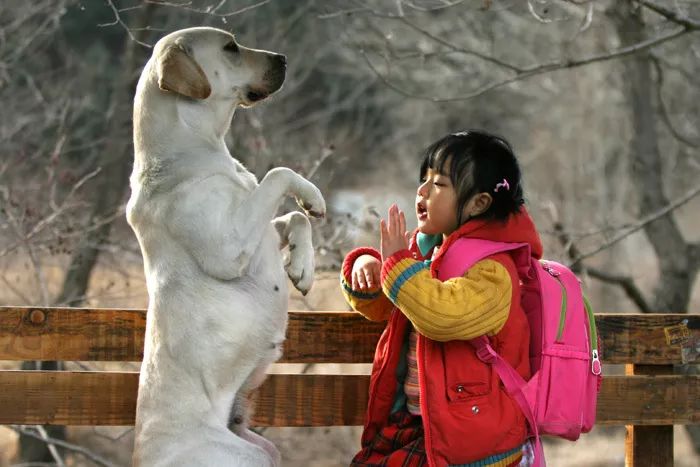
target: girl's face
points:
(436, 204)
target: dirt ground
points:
(334, 447)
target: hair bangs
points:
(436, 158)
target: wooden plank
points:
(311, 400)
(106, 398)
(649, 446)
(67, 398)
(640, 338)
(312, 337)
(117, 335)
(71, 334)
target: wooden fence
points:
(649, 399)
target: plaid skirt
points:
(401, 443)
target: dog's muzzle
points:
(271, 81)
(275, 74)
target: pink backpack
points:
(560, 397)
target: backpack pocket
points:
(561, 401)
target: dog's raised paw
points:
(301, 283)
(300, 279)
(313, 213)
(314, 209)
(303, 290)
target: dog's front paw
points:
(311, 200)
(300, 269)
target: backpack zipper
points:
(593, 335)
(562, 313)
(596, 368)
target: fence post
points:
(651, 445)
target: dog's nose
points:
(281, 59)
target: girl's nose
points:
(423, 189)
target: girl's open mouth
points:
(421, 212)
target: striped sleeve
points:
(460, 308)
(373, 304)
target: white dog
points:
(217, 311)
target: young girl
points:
(432, 402)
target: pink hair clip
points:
(503, 184)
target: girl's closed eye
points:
(441, 180)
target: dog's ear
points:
(179, 72)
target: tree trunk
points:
(111, 184)
(677, 273)
(113, 179)
(678, 262)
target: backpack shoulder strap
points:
(465, 252)
(462, 255)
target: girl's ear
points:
(479, 204)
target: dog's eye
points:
(231, 47)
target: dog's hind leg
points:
(267, 446)
(295, 231)
(238, 424)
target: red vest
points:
(467, 414)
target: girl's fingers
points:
(354, 281)
(383, 237)
(402, 224)
(368, 279)
(361, 280)
(395, 220)
(390, 218)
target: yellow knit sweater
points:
(460, 308)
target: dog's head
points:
(208, 63)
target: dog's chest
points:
(244, 177)
(267, 269)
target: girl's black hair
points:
(478, 162)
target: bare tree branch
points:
(65, 445)
(51, 218)
(454, 48)
(664, 110)
(689, 23)
(627, 283)
(52, 19)
(446, 4)
(326, 152)
(118, 20)
(337, 13)
(639, 225)
(536, 70)
(52, 447)
(208, 11)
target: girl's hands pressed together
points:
(393, 232)
(365, 273)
